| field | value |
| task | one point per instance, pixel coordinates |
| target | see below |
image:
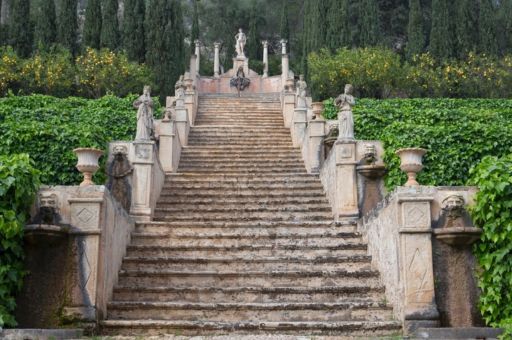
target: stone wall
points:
(221, 85)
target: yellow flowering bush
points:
(9, 66)
(101, 72)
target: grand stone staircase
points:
(243, 241)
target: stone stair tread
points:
(303, 273)
(252, 224)
(280, 259)
(238, 235)
(290, 289)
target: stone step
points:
(256, 252)
(245, 148)
(240, 129)
(312, 278)
(249, 294)
(161, 239)
(177, 177)
(238, 171)
(253, 190)
(235, 164)
(240, 208)
(241, 264)
(190, 328)
(236, 123)
(184, 201)
(304, 215)
(190, 157)
(356, 310)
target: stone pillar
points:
(265, 58)
(288, 108)
(216, 60)
(167, 147)
(299, 126)
(285, 69)
(193, 68)
(182, 123)
(316, 145)
(86, 221)
(190, 105)
(346, 180)
(143, 163)
(198, 55)
(416, 263)
(283, 46)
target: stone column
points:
(167, 147)
(198, 54)
(316, 145)
(265, 58)
(299, 126)
(190, 105)
(143, 163)
(182, 123)
(216, 60)
(416, 264)
(283, 46)
(285, 67)
(288, 108)
(346, 180)
(193, 68)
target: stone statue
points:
(301, 92)
(118, 182)
(240, 81)
(179, 91)
(241, 40)
(144, 106)
(345, 102)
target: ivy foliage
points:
(49, 128)
(492, 212)
(19, 181)
(457, 133)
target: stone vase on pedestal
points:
(411, 163)
(87, 163)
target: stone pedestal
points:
(285, 69)
(288, 108)
(143, 163)
(169, 146)
(241, 61)
(346, 180)
(316, 145)
(299, 124)
(190, 106)
(193, 69)
(182, 124)
(420, 309)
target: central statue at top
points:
(241, 40)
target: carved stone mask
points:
(370, 153)
(453, 205)
(120, 150)
(48, 200)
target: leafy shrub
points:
(492, 212)
(9, 64)
(19, 182)
(379, 73)
(49, 128)
(457, 133)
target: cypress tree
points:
(369, 16)
(486, 28)
(20, 33)
(92, 25)
(441, 43)
(338, 28)
(252, 39)
(67, 26)
(194, 33)
(416, 35)
(284, 26)
(507, 19)
(110, 26)
(466, 27)
(45, 32)
(178, 29)
(134, 32)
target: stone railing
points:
(422, 250)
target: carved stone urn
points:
(87, 163)
(411, 163)
(318, 108)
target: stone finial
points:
(265, 43)
(411, 163)
(87, 163)
(283, 46)
(345, 102)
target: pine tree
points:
(92, 26)
(194, 33)
(252, 39)
(441, 42)
(416, 35)
(110, 26)
(67, 26)
(165, 44)
(466, 27)
(369, 23)
(338, 28)
(134, 32)
(45, 31)
(486, 28)
(20, 33)
(284, 26)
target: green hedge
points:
(457, 133)
(19, 182)
(493, 212)
(49, 128)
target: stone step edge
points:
(366, 273)
(262, 223)
(198, 237)
(283, 259)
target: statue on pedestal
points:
(345, 102)
(241, 40)
(144, 106)
(301, 92)
(240, 81)
(179, 91)
(118, 172)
